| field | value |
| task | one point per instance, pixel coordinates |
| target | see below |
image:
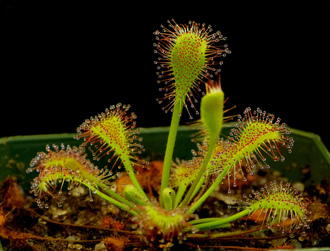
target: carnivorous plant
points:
(187, 64)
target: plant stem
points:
(111, 200)
(170, 148)
(210, 190)
(131, 174)
(232, 235)
(203, 220)
(181, 189)
(220, 221)
(188, 197)
(115, 195)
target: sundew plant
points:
(187, 63)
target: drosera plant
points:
(187, 60)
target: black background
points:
(65, 63)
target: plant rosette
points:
(187, 59)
